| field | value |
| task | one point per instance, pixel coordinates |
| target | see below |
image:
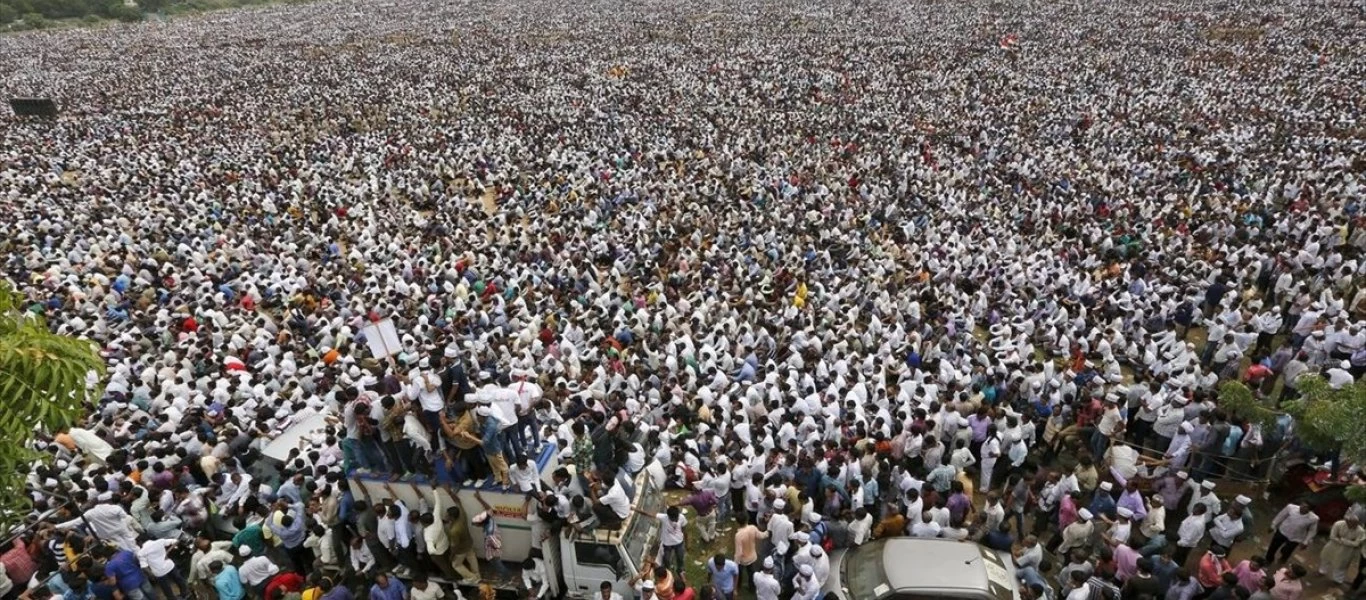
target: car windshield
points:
(998, 576)
(640, 540)
(864, 574)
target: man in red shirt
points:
(285, 582)
(19, 565)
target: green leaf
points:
(42, 390)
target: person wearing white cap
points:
(1077, 534)
(804, 585)
(1103, 502)
(1121, 527)
(1345, 541)
(1205, 495)
(766, 585)
(1179, 450)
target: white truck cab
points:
(575, 563)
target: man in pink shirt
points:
(1250, 574)
(1126, 562)
(1289, 583)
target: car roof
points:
(934, 564)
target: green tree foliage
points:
(1238, 400)
(42, 389)
(1326, 420)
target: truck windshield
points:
(864, 573)
(640, 539)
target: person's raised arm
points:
(436, 507)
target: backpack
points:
(827, 541)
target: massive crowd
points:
(849, 270)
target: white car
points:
(906, 568)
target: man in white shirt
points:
(613, 503)
(424, 590)
(861, 527)
(1189, 534)
(672, 535)
(257, 569)
(780, 528)
(523, 474)
(1292, 528)
(766, 585)
(426, 386)
(1225, 529)
(534, 579)
(926, 527)
(153, 557)
(1080, 589)
(109, 522)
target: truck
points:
(576, 563)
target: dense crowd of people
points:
(846, 270)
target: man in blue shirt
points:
(387, 588)
(227, 582)
(124, 567)
(723, 575)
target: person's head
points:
(1229, 579)
(719, 560)
(1255, 563)
(605, 588)
(420, 581)
(1304, 508)
(1145, 566)
(1296, 571)
(382, 580)
(673, 513)
(1078, 578)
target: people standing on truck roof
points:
(492, 442)
(780, 249)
